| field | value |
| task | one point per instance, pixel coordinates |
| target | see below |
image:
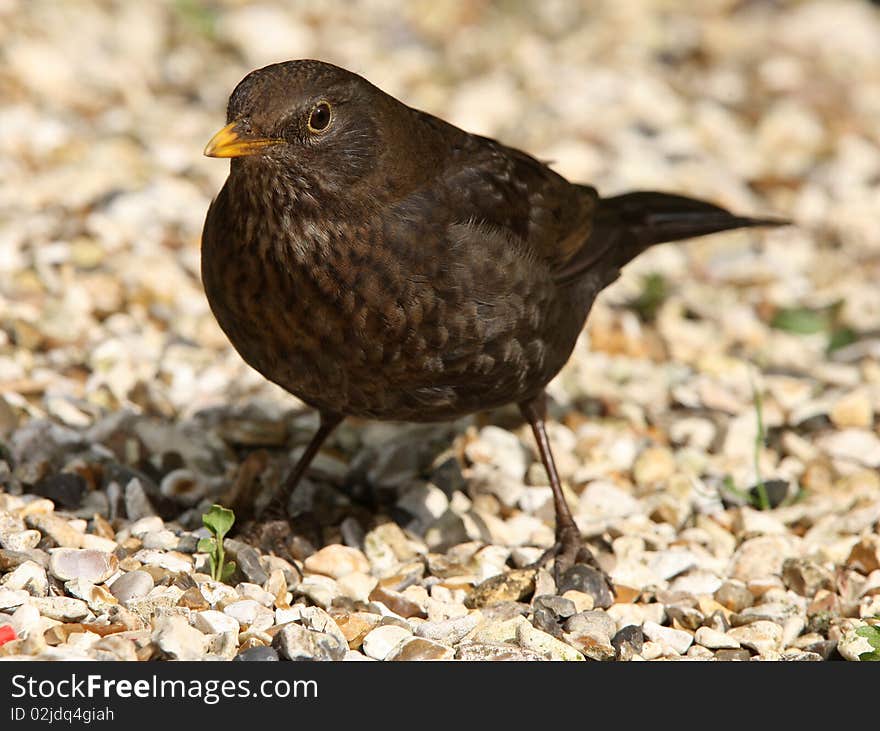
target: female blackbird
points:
(378, 262)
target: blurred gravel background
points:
(121, 400)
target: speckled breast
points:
(351, 325)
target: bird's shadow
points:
(341, 505)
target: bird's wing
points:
(478, 182)
(470, 297)
(503, 188)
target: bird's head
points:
(306, 120)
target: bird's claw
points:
(568, 551)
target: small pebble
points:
(419, 648)
(379, 642)
(337, 561)
(176, 639)
(715, 640)
(87, 564)
(628, 642)
(55, 528)
(762, 636)
(294, 642)
(28, 576)
(257, 654)
(212, 622)
(678, 641)
(132, 585)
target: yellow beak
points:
(229, 143)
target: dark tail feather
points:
(626, 225)
(639, 220)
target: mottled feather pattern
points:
(375, 320)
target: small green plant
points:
(760, 441)
(654, 292)
(872, 635)
(198, 16)
(809, 321)
(758, 497)
(218, 520)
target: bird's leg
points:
(329, 421)
(569, 548)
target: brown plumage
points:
(376, 261)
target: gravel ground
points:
(707, 369)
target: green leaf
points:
(761, 500)
(801, 320)
(871, 634)
(228, 570)
(870, 656)
(201, 18)
(840, 338)
(654, 292)
(731, 487)
(206, 545)
(218, 520)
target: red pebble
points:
(7, 634)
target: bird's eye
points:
(319, 118)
